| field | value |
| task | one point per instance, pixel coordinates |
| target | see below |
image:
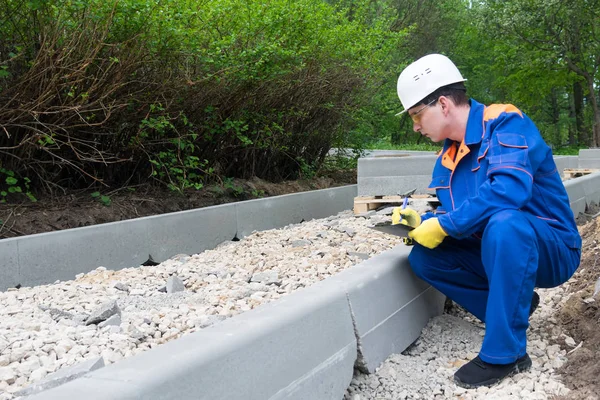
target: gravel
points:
(135, 309)
(425, 370)
(117, 314)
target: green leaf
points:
(105, 200)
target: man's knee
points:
(507, 217)
(508, 224)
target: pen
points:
(406, 240)
(405, 202)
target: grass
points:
(566, 151)
(385, 144)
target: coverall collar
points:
(475, 129)
(473, 135)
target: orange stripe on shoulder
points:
(494, 110)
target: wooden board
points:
(363, 204)
(576, 172)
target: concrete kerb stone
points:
(191, 231)
(389, 304)
(275, 212)
(576, 192)
(589, 153)
(396, 166)
(393, 185)
(384, 176)
(47, 257)
(302, 346)
(563, 162)
(9, 260)
(589, 158)
(589, 163)
(591, 187)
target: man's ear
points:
(446, 104)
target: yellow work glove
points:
(406, 217)
(429, 234)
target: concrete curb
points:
(44, 258)
(391, 175)
(563, 162)
(589, 158)
(303, 346)
(394, 175)
(583, 191)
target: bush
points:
(181, 91)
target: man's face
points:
(427, 120)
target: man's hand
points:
(406, 216)
(429, 234)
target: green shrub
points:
(115, 93)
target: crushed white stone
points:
(43, 328)
(426, 369)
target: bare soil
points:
(580, 318)
(78, 209)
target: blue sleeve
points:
(509, 180)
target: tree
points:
(568, 33)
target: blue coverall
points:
(509, 222)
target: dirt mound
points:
(580, 317)
(78, 209)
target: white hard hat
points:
(424, 77)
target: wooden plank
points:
(363, 204)
(360, 208)
(577, 172)
(580, 170)
(389, 199)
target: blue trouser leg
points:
(495, 280)
(454, 268)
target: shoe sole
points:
(519, 367)
(535, 302)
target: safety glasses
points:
(416, 117)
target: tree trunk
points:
(596, 133)
(397, 135)
(582, 136)
(572, 129)
(555, 112)
(594, 100)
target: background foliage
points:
(97, 94)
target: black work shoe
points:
(477, 372)
(535, 302)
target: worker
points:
(504, 225)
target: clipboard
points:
(397, 230)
